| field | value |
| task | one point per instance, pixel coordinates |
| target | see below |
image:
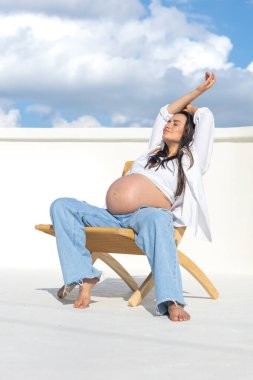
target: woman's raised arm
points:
(181, 103)
(166, 113)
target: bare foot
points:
(83, 300)
(177, 313)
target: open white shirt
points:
(189, 209)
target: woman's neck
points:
(173, 148)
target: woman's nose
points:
(169, 126)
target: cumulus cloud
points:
(250, 67)
(119, 119)
(97, 66)
(122, 121)
(86, 121)
(9, 119)
(113, 9)
(55, 53)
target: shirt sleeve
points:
(203, 136)
(157, 131)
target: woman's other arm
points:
(203, 136)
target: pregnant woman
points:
(162, 189)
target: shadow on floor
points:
(115, 288)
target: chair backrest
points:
(127, 166)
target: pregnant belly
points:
(130, 192)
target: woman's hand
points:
(185, 100)
(210, 79)
(190, 109)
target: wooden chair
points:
(102, 241)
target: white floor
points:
(44, 338)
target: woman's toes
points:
(177, 313)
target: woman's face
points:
(174, 129)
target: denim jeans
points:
(154, 235)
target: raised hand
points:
(185, 100)
(210, 79)
(190, 109)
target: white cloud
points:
(57, 56)
(192, 56)
(98, 66)
(114, 9)
(122, 121)
(9, 119)
(119, 119)
(99, 50)
(86, 121)
(250, 67)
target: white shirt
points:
(190, 208)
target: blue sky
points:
(114, 64)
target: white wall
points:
(40, 165)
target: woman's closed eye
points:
(175, 123)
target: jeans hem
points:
(99, 276)
(162, 306)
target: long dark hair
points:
(161, 157)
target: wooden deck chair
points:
(102, 241)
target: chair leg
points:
(186, 263)
(117, 267)
(197, 273)
(143, 290)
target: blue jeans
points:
(154, 235)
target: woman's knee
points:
(58, 205)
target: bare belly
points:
(128, 193)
